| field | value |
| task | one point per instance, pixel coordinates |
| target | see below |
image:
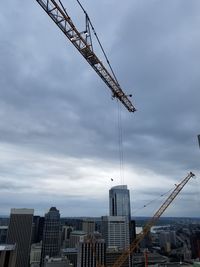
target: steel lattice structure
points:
(80, 40)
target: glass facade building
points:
(119, 201)
(50, 242)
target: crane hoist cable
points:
(152, 201)
(83, 43)
(120, 142)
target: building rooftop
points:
(3, 227)
(22, 211)
(6, 247)
(119, 187)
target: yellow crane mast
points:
(152, 221)
(83, 42)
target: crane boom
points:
(59, 15)
(152, 221)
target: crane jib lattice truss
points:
(58, 14)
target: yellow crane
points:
(83, 42)
(152, 221)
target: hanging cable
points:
(152, 201)
(63, 8)
(120, 142)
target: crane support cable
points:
(107, 60)
(152, 221)
(59, 15)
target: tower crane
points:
(83, 42)
(152, 221)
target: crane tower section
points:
(80, 40)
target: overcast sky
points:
(58, 123)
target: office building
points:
(115, 231)
(75, 238)
(51, 234)
(119, 201)
(7, 255)
(119, 205)
(19, 233)
(91, 252)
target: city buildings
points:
(19, 233)
(51, 234)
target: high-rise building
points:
(115, 231)
(119, 205)
(91, 252)
(51, 234)
(19, 233)
(119, 201)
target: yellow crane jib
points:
(82, 41)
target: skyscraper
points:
(19, 233)
(119, 206)
(119, 201)
(91, 251)
(51, 234)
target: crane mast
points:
(152, 221)
(80, 40)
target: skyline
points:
(58, 124)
